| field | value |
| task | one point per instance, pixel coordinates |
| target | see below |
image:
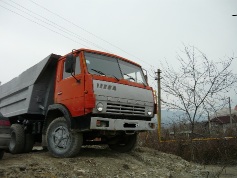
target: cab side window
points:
(77, 69)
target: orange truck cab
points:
(84, 97)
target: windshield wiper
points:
(130, 77)
(99, 72)
(115, 77)
(102, 73)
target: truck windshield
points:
(114, 67)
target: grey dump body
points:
(32, 91)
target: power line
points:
(43, 26)
(77, 36)
(51, 30)
(92, 34)
(58, 27)
(53, 24)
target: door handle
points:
(59, 93)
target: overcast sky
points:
(147, 32)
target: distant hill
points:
(169, 117)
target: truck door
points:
(68, 90)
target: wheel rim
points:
(61, 138)
(13, 140)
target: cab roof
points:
(103, 53)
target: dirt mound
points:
(98, 161)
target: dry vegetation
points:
(210, 151)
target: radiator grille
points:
(125, 109)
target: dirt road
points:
(97, 161)
(222, 171)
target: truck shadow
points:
(97, 151)
(86, 151)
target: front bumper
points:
(99, 123)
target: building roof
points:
(223, 112)
(223, 116)
(221, 120)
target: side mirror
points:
(70, 64)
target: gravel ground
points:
(99, 161)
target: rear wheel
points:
(1, 153)
(60, 141)
(17, 139)
(124, 143)
(29, 143)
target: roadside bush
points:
(210, 151)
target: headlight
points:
(149, 112)
(99, 107)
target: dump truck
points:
(84, 97)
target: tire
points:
(61, 142)
(1, 154)
(29, 143)
(124, 143)
(45, 148)
(17, 141)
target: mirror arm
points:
(78, 81)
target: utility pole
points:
(209, 123)
(159, 104)
(230, 113)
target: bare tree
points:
(197, 85)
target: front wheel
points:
(60, 141)
(124, 143)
